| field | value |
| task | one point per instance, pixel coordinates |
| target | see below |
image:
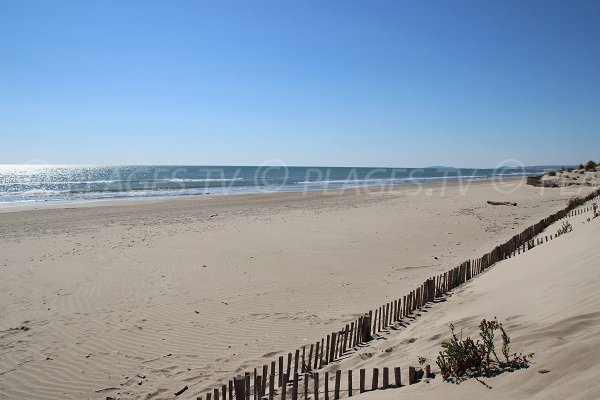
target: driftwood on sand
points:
(502, 203)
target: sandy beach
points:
(135, 300)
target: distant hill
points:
(442, 168)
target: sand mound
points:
(549, 302)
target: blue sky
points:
(370, 83)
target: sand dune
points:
(137, 300)
(548, 299)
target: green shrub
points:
(590, 165)
(464, 358)
(552, 173)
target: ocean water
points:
(42, 184)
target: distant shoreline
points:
(67, 186)
(121, 201)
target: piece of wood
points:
(273, 368)
(258, 388)
(284, 386)
(316, 385)
(224, 392)
(231, 389)
(255, 376)
(310, 356)
(366, 336)
(271, 387)
(428, 371)
(263, 384)
(180, 391)
(397, 377)
(412, 375)
(327, 350)
(247, 382)
(375, 381)
(296, 360)
(306, 376)
(387, 315)
(239, 385)
(303, 359)
(280, 376)
(216, 394)
(289, 366)
(501, 203)
(332, 349)
(295, 387)
(317, 357)
(349, 383)
(361, 382)
(326, 391)
(386, 378)
(321, 362)
(338, 378)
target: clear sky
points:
(369, 83)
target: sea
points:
(22, 185)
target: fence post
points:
(306, 376)
(247, 379)
(362, 380)
(375, 381)
(280, 376)
(397, 377)
(239, 383)
(412, 375)
(349, 383)
(289, 367)
(295, 387)
(386, 378)
(284, 386)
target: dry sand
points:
(136, 300)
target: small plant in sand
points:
(464, 358)
(566, 228)
(552, 173)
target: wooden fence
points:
(317, 385)
(303, 364)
